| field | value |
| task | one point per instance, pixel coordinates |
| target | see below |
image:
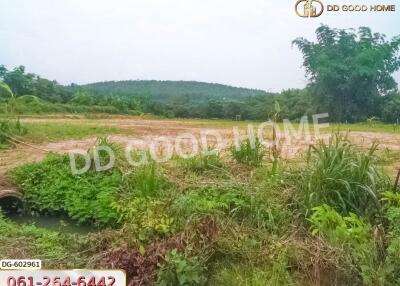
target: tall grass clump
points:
(9, 129)
(202, 162)
(147, 180)
(347, 179)
(248, 152)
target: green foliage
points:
(248, 152)
(350, 71)
(230, 201)
(50, 186)
(202, 162)
(60, 250)
(343, 177)
(340, 230)
(210, 201)
(391, 108)
(5, 91)
(9, 129)
(147, 180)
(356, 238)
(181, 269)
(276, 273)
(145, 218)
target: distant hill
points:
(167, 90)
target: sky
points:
(243, 43)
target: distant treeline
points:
(167, 98)
(350, 77)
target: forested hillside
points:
(169, 90)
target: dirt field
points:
(151, 130)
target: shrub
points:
(181, 270)
(50, 186)
(145, 218)
(339, 175)
(248, 153)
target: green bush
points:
(50, 186)
(357, 238)
(248, 153)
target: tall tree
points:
(350, 71)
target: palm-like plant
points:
(8, 92)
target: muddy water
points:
(58, 223)
(14, 211)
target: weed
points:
(340, 230)
(202, 162)
(181, 270)
(9, 129)
(147, 180)
(229, 201)
(144, 218)
(248, 152)
(54, 248)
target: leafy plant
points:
(248, 152)
(180, 269)
(50, 186)
(357, 238)
(144, 218)
(337, 229)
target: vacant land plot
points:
(286, 213)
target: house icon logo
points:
(307, 9)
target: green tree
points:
(349, 71)
(20, 82)
(391, 108)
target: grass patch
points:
(39, 131)
(59, 250)
(201, 163)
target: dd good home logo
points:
(309, 8)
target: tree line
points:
(350, 75)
